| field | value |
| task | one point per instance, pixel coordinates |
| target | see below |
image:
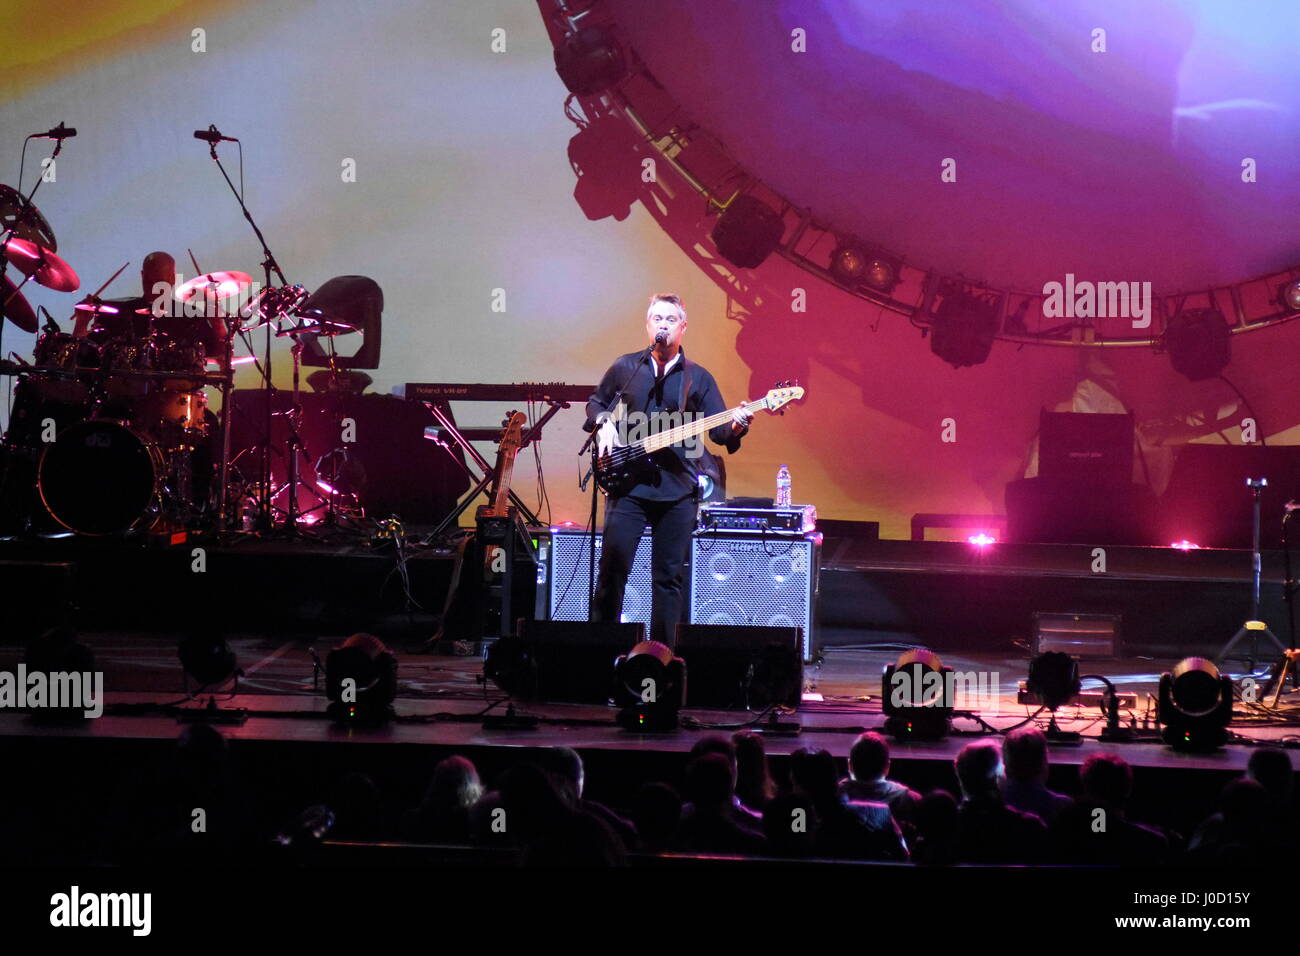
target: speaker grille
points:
(769, 582)
(570, 585)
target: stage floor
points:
(439, 696)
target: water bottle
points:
(783, 487)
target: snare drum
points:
(100, 477)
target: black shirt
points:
(675, 475)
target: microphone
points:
(59, 132)
(212, 136)
(661, 338)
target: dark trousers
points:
(671, 523)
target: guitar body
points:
(615, 474)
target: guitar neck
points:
(501, 494)
(682, 432)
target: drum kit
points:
(110, 432)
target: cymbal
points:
(42, 265)
(31, 226)
(97, 306)
(218, 285)
(17, 311)
(319, 326)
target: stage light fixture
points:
(1199, 343)
(748, 232)
(361, 680)
(848, 263)
(510, 664)
(654, 680)
(917, 696)
(963, 328)
(590, 61)
(349, 303)
(1288, 295)
(207, 659)
(1195, 705)
(882, 273)
(856, 264)
(1054, 678)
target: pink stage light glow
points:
(982, 540)
(1184, 545)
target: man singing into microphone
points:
(657, 386)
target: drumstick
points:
(197, 270)
(110, 279)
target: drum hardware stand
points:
(269, 265)
(223, 457)
(296, 447)
(4, 242)
(332, 513)
(1253, 627)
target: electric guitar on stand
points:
(502, 535)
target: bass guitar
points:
(619, 467)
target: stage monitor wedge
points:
(574, 661)
(741, 667)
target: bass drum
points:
(100, 477)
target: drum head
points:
(98, 477)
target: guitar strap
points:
(710, 465)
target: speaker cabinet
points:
(756, 580)
(567, 661)
(568, 582)
(739, 667)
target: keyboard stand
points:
(487, 471)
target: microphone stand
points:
(269, 264)
(592, 444)
(1254, 627)
(1287, 665)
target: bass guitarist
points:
(657, 383)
